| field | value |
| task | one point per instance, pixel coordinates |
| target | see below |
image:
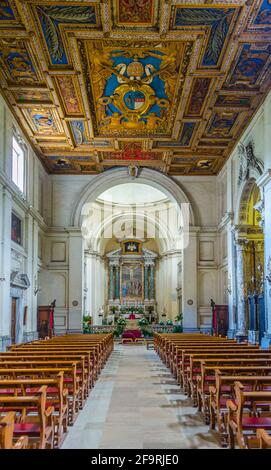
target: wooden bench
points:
(71, 382)
(36, 425)
(206, 378)
(185, 362)
(83, 358)
(223, 390)
(6, 433)
(243, 423)
(127, 341)
(140, 340)
(56, 396)
(240, 358)
(57, 363)
(264, 439)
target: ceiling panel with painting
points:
(162, 84)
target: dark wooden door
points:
(13, 319)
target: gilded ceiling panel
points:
(166, 85)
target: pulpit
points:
(220, 320)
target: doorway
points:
(13, 319)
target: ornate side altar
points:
(131, 279)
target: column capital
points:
(241, 243)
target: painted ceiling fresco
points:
(163, 84)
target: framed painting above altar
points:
(131, 247)
(132, 282)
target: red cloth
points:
(51, 319)
(132, 316)
(214, 320)
(131, 334)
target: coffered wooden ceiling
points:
(162, 84)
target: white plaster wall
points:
(26, 206)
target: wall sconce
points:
(2, 279)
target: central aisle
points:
(136, 404)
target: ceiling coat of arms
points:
(134, 88)
(167, 85)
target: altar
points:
(131, 280)
(132, 321)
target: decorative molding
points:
(248, 162)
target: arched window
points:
(18, 163)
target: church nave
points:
(136, 404)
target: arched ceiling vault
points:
(168, 239)
(165, 85)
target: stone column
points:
(265, 182)
(146, 282)
(117, 287)
(111, 282)
(231, 287)
(151, 282)
(241, 332)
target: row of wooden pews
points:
(44, 384)
(229, 383)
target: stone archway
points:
(249, 244)
(175, 194)
(119, 176)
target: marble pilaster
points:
(111, 282)
(146, 282)
(151, 282)
(241, 306)
(117, 280)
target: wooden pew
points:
(6, 433)
(242, 425)
(56, 397)
(207, 379)
(223, 390)
(38, 427)
(177, 353)
(59, 364)
(264, 439)
(185, 362)
(71, 382)
(83, 362)
(193, 371)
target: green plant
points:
(178, 329)
(143, 321)
(179, 318)
(87, 319)
(169, 322)
(120, 325)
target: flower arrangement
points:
(143, 322)
(126, 310)
(120, 325)
(87, 320)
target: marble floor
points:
(136, 404)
